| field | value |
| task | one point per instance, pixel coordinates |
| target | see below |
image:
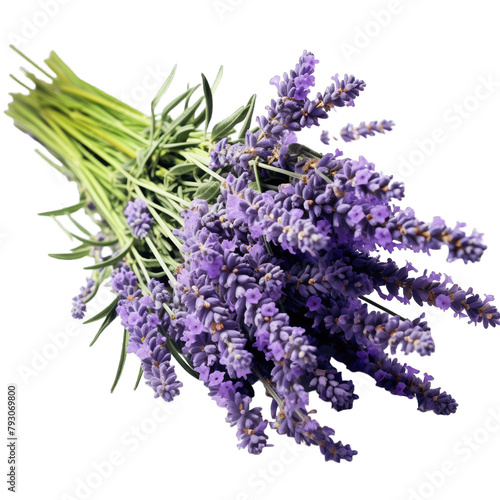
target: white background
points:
(422, 62)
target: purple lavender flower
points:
(297, 85)
(274, 279)
(398, 379)
(306, 430)
(351, 133)
(159, 373)
(138, 218)
(259, 264)
(342, 92)
(248, 421)
(282, 227)
(79, 302)
(325, 139)
(328, 383)
(218, 155)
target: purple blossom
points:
(79, 302)
(138, 218)
(328, 383)
(325, 139)
(313, 303)
(248, 421)
(342, 92)
(272, 284)
(253, 295)
(351, 133)
(159, 373)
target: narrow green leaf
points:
(248, 117)
(182, 168)
(96, 287)
(208, 191)
(108, 320)
(186, 104)
(154, 103)
(224, 127)
(143, 155)
(71, 256)
(208, 101)
(254, 186)
(158, 274)
(169, 107)
(79, 247)
(112, 260)
(162, 90)
(175, 351)
(201, 117)
(182, 133)
(95, 243)
(64, 211)
(139, 376)
(104, 312)
(83, 229)
(217, 79)
(60, 168)
(123, 357)
(181, 120)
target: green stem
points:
(160, 260)
(382, 308)
(288, 173)
(193, 158)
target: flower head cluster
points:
(142, 316)
(297, 84)
(79, 302)
(287, 115)
(138, 218)
(225, 311)
(351, 133)
(281, 275)
(273, 284)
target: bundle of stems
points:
(267, 268)
(115, 153)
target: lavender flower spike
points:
(138, 218)
(79, 307)
(351, 133)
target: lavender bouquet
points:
(245, 256)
